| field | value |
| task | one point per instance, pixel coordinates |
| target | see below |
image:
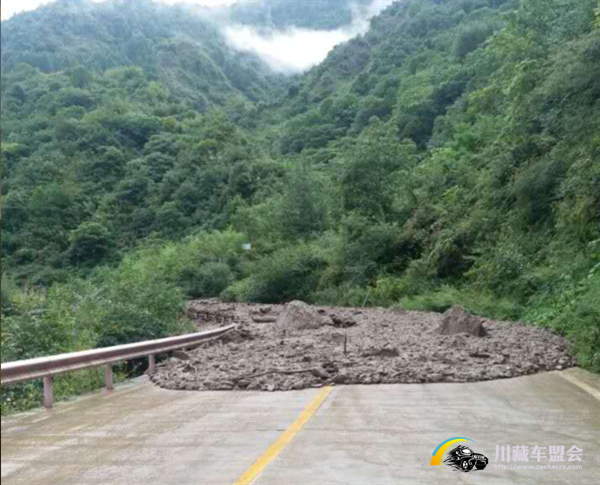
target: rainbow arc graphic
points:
(440, 451)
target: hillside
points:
(451, 152)
(184, 51)
(283, 14)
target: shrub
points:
(573, 310)
(438, 302)
(201, 266)
(582, 325)
(44, 324)
(210, 280)
(288, 274)
(347, 295)
(368, 248)
(476, 302)
(8, 295)
(240, 291)
(125, 306)
(90, 243)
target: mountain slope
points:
(184, 51)
(283, 14)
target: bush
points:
(368, 248)
(240, 291)
(438, 302)
(506, 268)
(125, 306)
(347, 295)
(8, 295)
(478, 303)
(573, 310)
(90, 244)
(582, 325)
(289, 274)
(44, 324)
(210, 280)
(201, 266)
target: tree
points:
(472, 37)
(370, 170)
(90, 244)
(303, 206)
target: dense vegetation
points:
(185, 53)
(283, 14)
(453, 152)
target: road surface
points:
(369, 435)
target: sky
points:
(287, 51)
(12, 7)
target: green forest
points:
(452, 152)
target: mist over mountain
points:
(293, 38)
(290, 37)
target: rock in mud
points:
(385, 353)
(457, 320)
(342, 322)
(297, 315)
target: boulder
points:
(457, 320)
(297, 315)
(385, 353)
(342, 322)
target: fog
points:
(296, 50)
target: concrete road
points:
(372, 435)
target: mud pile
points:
(271, 352)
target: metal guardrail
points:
(47, 367)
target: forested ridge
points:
(183, 51)
(283, 14)
(453, 152)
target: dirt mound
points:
(457, 320)
(382, 347)
(298, 316)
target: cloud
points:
(292, 50)
(297, 50)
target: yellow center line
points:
(582, 385)
(286, 438)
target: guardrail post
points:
(48, 392)
(110, 381)
(151, 364)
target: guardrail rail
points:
(47, 367)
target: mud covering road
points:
(351, 346)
